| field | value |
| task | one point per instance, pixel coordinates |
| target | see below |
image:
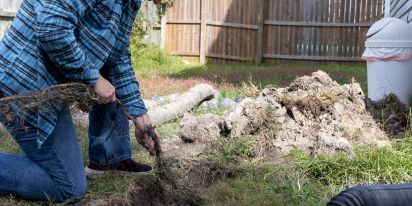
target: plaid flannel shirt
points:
(57, 41)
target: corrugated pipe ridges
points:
(349, 197)
(375, 195)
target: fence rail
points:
(250, 30)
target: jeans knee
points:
(73, 194)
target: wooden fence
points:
(249, 30)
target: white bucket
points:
(390, 77)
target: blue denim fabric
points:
(109, 137)
(55, 172)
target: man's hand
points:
(146, 134)
(105, 91)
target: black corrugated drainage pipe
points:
(375, 195)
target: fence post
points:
(259, 48)
(163, 28)
(203, 30)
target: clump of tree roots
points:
(165, 189)
(72, 94)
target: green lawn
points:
(302, 180)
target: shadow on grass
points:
(279, 74)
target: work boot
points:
(127, 166)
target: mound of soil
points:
(314, 114)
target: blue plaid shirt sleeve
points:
(57, 21)
(124, 80)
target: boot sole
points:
(91, 173)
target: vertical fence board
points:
(259, 38)
(203, 30)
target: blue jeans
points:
(55, 172)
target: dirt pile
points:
(314, 114)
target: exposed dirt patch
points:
(391, 113)
(178, 182)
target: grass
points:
(268, 185)
(368, 166)
(230, 151)
(307, 180)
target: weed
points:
(229, 93)
(249, 89)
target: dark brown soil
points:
(391, 113)
(178, 182)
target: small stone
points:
(227, 103)
(239, 99)
(211, 104)
(157, 100)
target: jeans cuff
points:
(113, 160)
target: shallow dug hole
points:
(178, 182)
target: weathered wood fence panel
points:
(282, 29)
(318, 29)
(184, 27)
